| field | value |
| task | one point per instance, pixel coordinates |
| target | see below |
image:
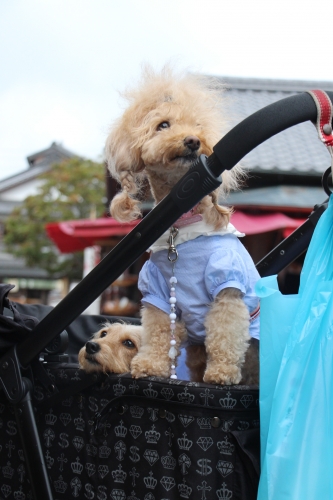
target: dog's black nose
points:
(92, 347)
(192, 142)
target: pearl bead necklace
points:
(172, 315)
(172, 257)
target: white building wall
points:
(19, 193)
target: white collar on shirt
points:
(191, 232)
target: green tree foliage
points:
(74, 189)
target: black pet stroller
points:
(66, 434)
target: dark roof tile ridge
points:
(274, 84)
(55, 146)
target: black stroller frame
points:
(201, 179)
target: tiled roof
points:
(293, 151)
(22, 178)
(39, 163)
(11, 267)
(54, 154)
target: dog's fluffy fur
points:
(172, 119)
(111, 349)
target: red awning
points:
(74, 235)
(256, 224)
(71, 236)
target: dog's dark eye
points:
(163, 125)
(128, 343)
(103, 333)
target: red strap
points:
(324, 116)
(254, 314)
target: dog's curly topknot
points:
(201, 97)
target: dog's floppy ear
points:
(125, 164)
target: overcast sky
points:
(63, 61)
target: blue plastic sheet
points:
(296, 378)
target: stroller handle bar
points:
(262, 125)
(199, 181)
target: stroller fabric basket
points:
(157, 439)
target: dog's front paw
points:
(147, 366)
(224, 375)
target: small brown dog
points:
(111, 349)
(171, 120)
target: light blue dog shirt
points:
(206, 265)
